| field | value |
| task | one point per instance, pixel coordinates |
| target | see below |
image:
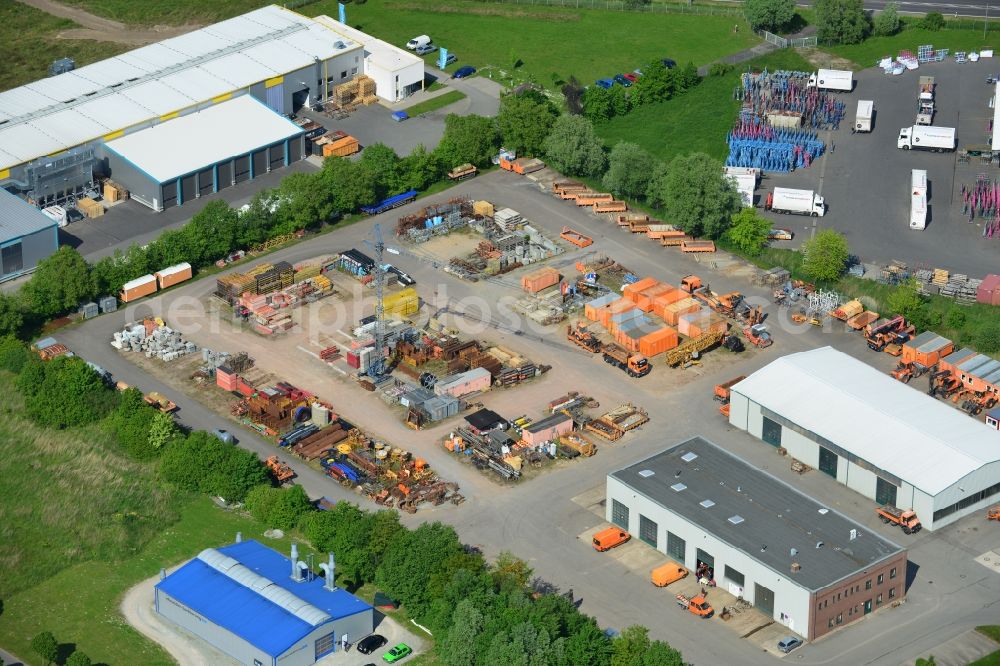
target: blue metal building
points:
(26, 236)
(261, 607)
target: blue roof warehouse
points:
(261, 607)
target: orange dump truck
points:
(610, 537)
(668, 573)
(907, 520)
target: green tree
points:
(260, 502)
(841, 21)
(78, 658)
(13, 354)
(11, 317)
(628, 647)
(472, 139)
(63, 392)
(291, 504)
(46, 646)
(413, 560)
(525, 121)
(596, 104)
(661, 654)
(386, 169)
(697, 197)
(588, 646)
(824, 257)
(162, 431)
(344, 530)
(201, 462)
(629, 170)
(573, 148)
(933, 21)
(907, 301)
(459, 645)
(988, 338)
(211, 232)
(350, 185)
(256, 221)
(420, 168)
(770, 15)
(510, 572)
(657, 84)
(132, 421)
(748, 231)
(306, 200)
(886, 22)
(618, 98)
(688, 77)
(59, 284)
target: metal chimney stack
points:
(329, 568)
(295, 562)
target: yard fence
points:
(610, 5)
(783, 43)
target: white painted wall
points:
(799, 447)
(789, 598)
(860, 479)
(386, 85)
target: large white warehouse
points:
(886, 440)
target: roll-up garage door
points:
(295, 149)
(188, 188)
(225, 175)
(276, 98)
(206, 180)
(260, 163)
(277, 156)
(242, 168)
(169, 194)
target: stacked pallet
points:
(231, 287)
(275, 278)
(939, 277)
(403, 303)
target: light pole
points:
(986, 21)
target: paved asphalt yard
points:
(546, 520)
(866, 178)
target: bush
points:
(769, 14)
(13, 354)
(824, 257)
(720, 69)
(988, 339)
(886, 22)
(932, 21)
(201, 462)
(278, 507)
(64, 392)
(955, 319)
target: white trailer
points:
(800, 202)
(920, 137)
(863, 118)
(918, 199)
(745, 179)
(832, 79)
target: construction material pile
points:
(755, 142)
(906, 60)
(438, 219)
(785, 93)
(614, 424)
(265, 295)
(581, 195)
(261, 279)
(951, 285)
(153, 338)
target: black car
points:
(371, 643)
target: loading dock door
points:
(619, 514)
(188, 188)
(277, 156)
(259, 163)
(828, 461)
(169, 194)
(225, 174)
(276, 98)
(885, 492)
(242, 168)
(647, 530)
(325, 645)
(771, 432)
(299, 99)
(676, 547)
(294, 149)
(206, 180)
(763, 599)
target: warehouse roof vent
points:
(708, 504)
(339, 45)
(646, 473)
(677, 487)
(689, 456)
(736, 520)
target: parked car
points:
(631, 77)
(425, 49)
(605, 83)
(395, 654)
(452, 58)
(224, 436)
(371, 643)
(637, 72)
(788, 644)
(668, 63)
(621, 80)
(422, 40)
(73, 215)
(463, 72)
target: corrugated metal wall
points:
(276, 98)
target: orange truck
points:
(668, 573)
(635, 365)
(724, 391)
(508, 161)
(907, 520)
(610, 537)
(696, 605)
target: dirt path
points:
(137, 607)
(103, 29)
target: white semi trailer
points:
(832, 79)
(918, 199)
(800, 202)
(920, 137)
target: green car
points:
(397, 653)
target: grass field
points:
(435, 103)
(70, 497)
(552, 43)
(869, 52)
(697, 121)
(169, 12)
(30, 45)
(993, 659)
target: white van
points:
(422, 40)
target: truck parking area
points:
(864, 177)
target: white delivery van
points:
(422, 40)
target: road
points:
(540, 521)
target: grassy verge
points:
(697, 121)
(495, 35)
(992, 659)
(174, 12)
(30, 44)
(435, 103)
(957, 36)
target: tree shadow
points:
(65, 650)
(797, 24)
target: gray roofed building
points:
(789, 554)
(27, 236)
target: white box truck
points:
(920, 137)
(832, 79)
(800, 202)
(918, 199)
(745, 179)
(863, 118)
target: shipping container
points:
(137, 288)
(646, 296)
(659, 342)
(342, 147)
(543, 278)
(666, 298)
(696, 324)
(672, 313)
(631, 291)
(592, 307)
(927, 349)
(989, 291)
(172, 275)
(617, 307)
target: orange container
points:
(659, 342)
(672, 312)
(540, 279)
(646, 296)
(666, 298)
(694, 324)
(343, 147)
(621, 305)
(632, 291)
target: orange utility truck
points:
(907, 520)
(696, 605)
(635, 365)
